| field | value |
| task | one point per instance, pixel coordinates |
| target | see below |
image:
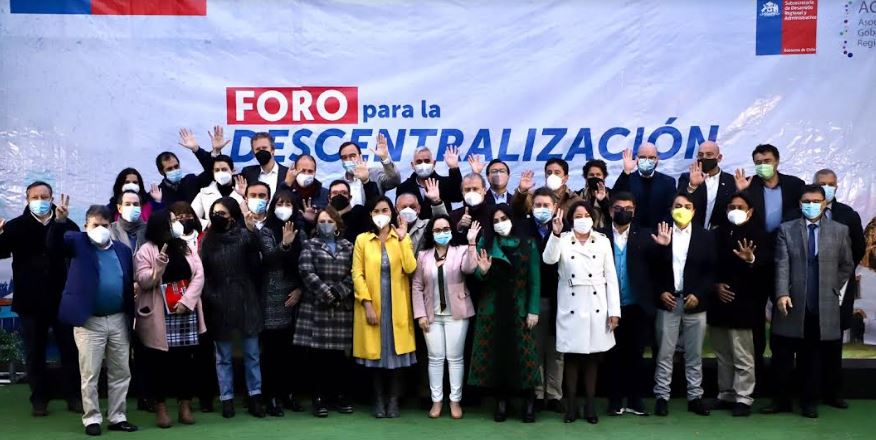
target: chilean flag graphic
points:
(786, 27)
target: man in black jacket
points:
(39, 278)
(177, 187)
(268, 170)
(709, 185)
(686, 272)
(842, 213)
(424, 168)
(653, 190)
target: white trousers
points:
(446, 340)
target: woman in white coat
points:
(588, 301)
(222, 186)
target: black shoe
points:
(144, 404)
(528, 415)
(292, 404)
(39, 409)
(319, 408)
(809, 410)
(93, 429)
(554, 405)
(206, 404)
(378, 409)
(344, 405)
(592, 418)
(122, 426)
(74, 406)
(724, 405)
(392, 410)
(697, 406)
(501, 410)
(228, 408)
(571, 411)
(273, 408)
(540, 404)
(837, 403)
(256, 409)
(661, 408)
(741, 410)
(776, 407)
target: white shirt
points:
(620, 238)
(712, 184)
(270, 178)
(818, 224)
(680, 245)
(357, 190)
(503, 198)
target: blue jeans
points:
(225, 373)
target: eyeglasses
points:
(498, 171)
(441, 230)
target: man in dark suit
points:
(498, 174)
(424, 168)
(634, 248)
(841, 213)
(177, 187)
(268, 170)
(709, 185)
(813, 264)
(475, 207)
(653, 190)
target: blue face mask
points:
(542, 215)
(829, 192)
(443, 238)
(174, 176)
(349, 166)
(811, 210)
(646, 166)
(40, 208)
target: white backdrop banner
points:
(84, 95)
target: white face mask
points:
(424, 169)
(99, 235)
(582, 225)
(283, 212)
(222, 177)
(304, 180)
(473, 198)
(503, 228)
(130, 213)
(737, 216)
(131, 187)
(177, 229)
(380, 220)
(408, 214)
(553, 182)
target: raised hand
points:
(451, 157)
(309, 212)
(382, 148)
(249, 221)
(217, 138)
(629, 161)
(62, 211)
(473, 232)
(402, 229)
(601, 192)
(742, 182)
(664, 234)
(557, 223)
(155, 192)
(433, 192)
(475, 162)
(2, 223)
(527, 181)
(187, 139)
(240, 185)
(485, 261)
(160, 263)
(288, 234)
(465, 221)
(361, 171)
(696, 175)
(745, 250)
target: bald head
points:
(709, 148)
(647, 151)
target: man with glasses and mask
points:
(498, 174)
(709, 185)
(358, 174)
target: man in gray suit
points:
(813, 263)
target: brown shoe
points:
(162, 419)
(435, 412)
(455, 410)
(185, 412)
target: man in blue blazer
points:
(98, 300)
(653, 190)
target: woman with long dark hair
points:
(129, 179)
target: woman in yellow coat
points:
(383, 324)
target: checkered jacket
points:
(325, 315)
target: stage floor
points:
(854, 423)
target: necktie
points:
(812, 274)
(441, 296)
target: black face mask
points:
(219, 223)
(622, 218)
(188, 226)
(593, 183)
(339, 202)
(708, 164)
(263, 157)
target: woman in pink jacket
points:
(442, 306)
(169, 317)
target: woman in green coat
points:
(503, 355)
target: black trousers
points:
(278, 362)
(206, 383)
(171, 373)
(810, 353)
(625, 369)
(35, 333)
(332, 371)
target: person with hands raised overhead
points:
(357, 173)
(177, 186)
(224, 184)
(424, 168)
(653, 190)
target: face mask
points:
(811, 210)
(99, 235)
(349, 166)
(582, 225)
(646, 166)
(381, 220)
(339, 202)
(177, 229)
(219, 223)
(708, 164)
(442, 238)
(423, 170)
(131, 213)
(189, 226)
(131, 187)
(304, 180)
(222, 177)
(326, 229)
(40, 208)
(496, 180)
(408, 214)
(765, 170)
(553, 182)
(737, 216)
(263, 157)
(473, 198)
(174, 176)
(682, 216)
(283, 213)
(503, 228)
(257, 206)
(542, 215)
(622, 218)
(593, 183)
(829, 192)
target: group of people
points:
(518, 292)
